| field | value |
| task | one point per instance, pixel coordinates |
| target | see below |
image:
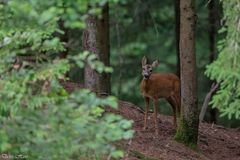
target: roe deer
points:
(159, 85)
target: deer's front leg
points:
(146, 99)
(155, 101)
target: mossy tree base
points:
(187, 133)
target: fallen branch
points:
(207, 99)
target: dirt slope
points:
(215, 142)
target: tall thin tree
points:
(212, 45)
(177, 33)
(90, 43)
(187, 131)
(104, 79)
(96, 40)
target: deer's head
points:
(147, 68)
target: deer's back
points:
(160, 85)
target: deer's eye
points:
(150, 70)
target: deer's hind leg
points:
(178, 104)
(172, 102)
(155, 102)
(176, 101)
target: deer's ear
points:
(155, 63)
(144, 61)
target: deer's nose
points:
(146, 76)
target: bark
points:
(91, 43)
(104, 79)
(96, 41)
(177, 33)
(187, 131)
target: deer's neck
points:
(146, 84)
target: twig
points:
(208, 3)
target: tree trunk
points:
(96, 41)
(63, 38)
(187, 131)
(104, 79)
(177, 33)
(212, 49)
(91, 43)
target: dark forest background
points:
(139, 28)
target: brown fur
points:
(161, 86)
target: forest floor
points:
(215, 142)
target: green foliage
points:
(226, 69)
(39, 118)
(91, 60)
(73, 128)
(134, 49)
